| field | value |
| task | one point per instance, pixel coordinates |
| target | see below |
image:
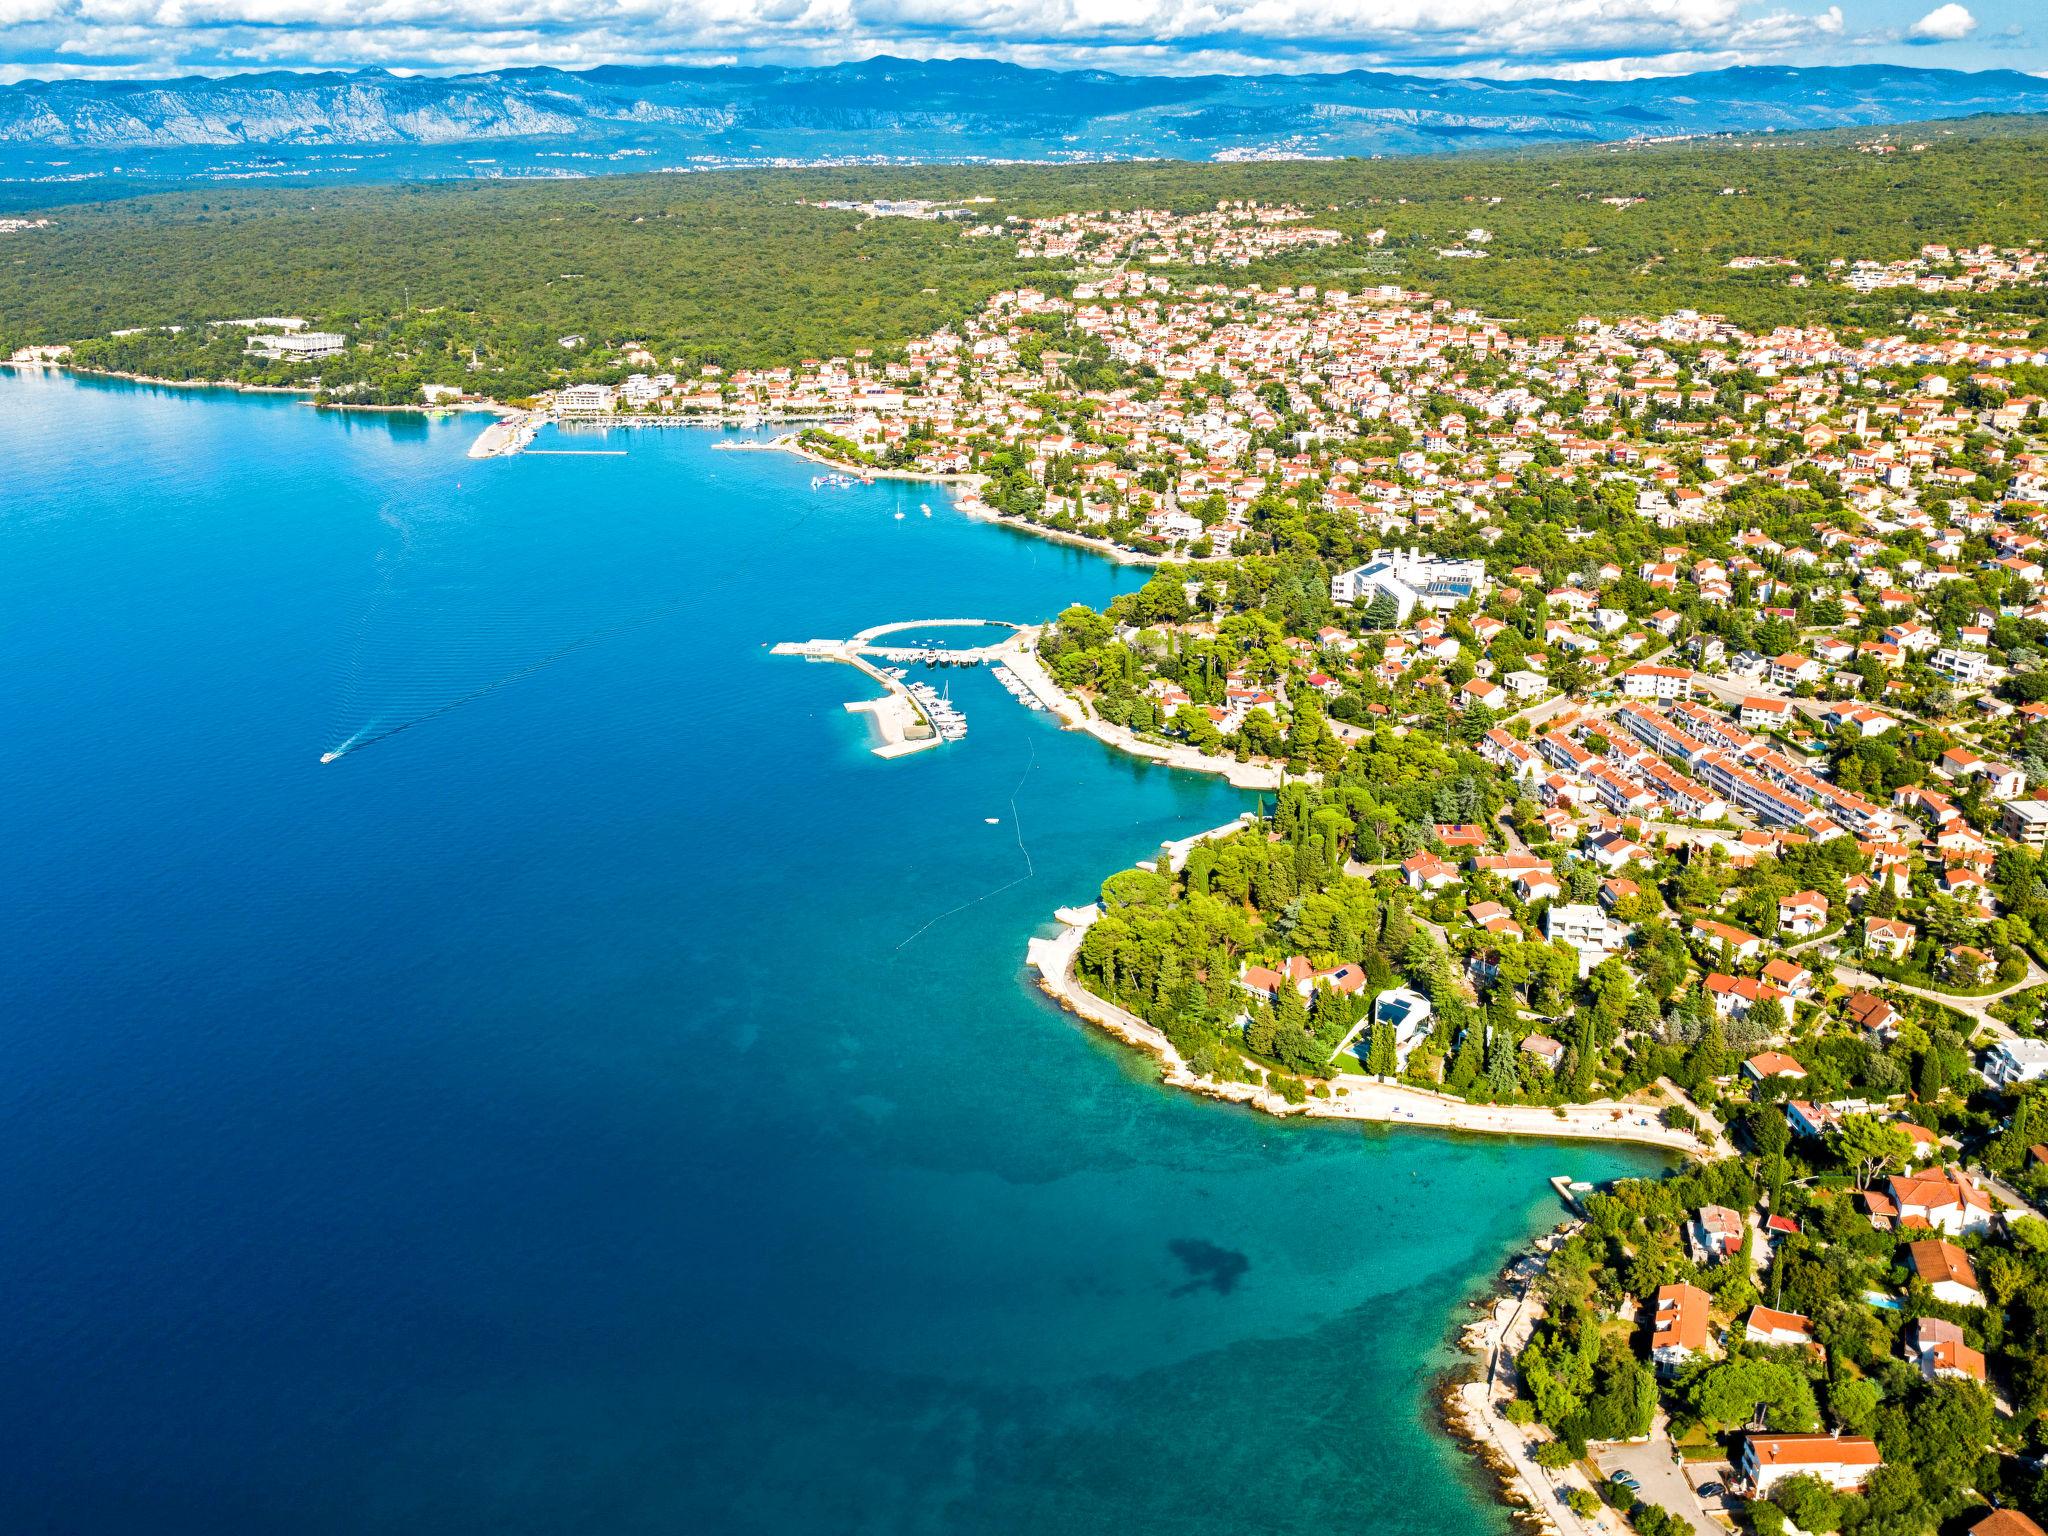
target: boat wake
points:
(466, 598)
(369, 736)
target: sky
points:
(1602, 39)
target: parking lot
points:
(1664, 1481)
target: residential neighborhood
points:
(1660, 715)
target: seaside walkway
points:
(1075, 715)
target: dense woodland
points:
(729, 268)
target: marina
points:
(939, 709)
(913, 716)
(1016, 687)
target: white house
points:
(1410, 1014)
(1802, 914)
(1938, 1347)
(1646, 681)
(1678, 1327)
(2016, 1061)
(1715, 1232)
(1767, 1325)
(1587, 929)
(1948, 1201)
(1841, 1461)
(1946, 1271)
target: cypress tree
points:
(1465, 1065)
(1258, 1031)
(1503, 1073)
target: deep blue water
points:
(613, 1102)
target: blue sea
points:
(606, 1097)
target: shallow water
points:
(606, 1098)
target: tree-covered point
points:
(730, 268)
(1315, 881)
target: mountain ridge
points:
(891, 109)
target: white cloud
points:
(1584, 39)
(1944, 24)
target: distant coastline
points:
(420, 408)
(972, 505)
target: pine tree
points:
(1711, 1057)
(1398, 932)
(1308, 864)
(1332, 1015)
(1343, 934)
(1290, 1021)
(1502, 1017)
(1927, 1078)
(1383, 612)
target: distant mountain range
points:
(542, 121)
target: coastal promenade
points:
(1477, 1408)
(1075, 715)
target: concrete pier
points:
(905, 724)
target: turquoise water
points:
(607, 1098)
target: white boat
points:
(899, 517)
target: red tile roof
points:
(1935, 1261)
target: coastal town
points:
(1658, 727)
(1650, 728)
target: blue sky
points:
(1579, 38)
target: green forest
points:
(479, 283)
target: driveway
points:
(1663, 1481)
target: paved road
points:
(1539, 715)
(1735, 693)
(1978, 1008)
(1712, 1131)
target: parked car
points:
(1628, 1481)
(1711, 1490)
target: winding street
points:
(1978, 1008)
